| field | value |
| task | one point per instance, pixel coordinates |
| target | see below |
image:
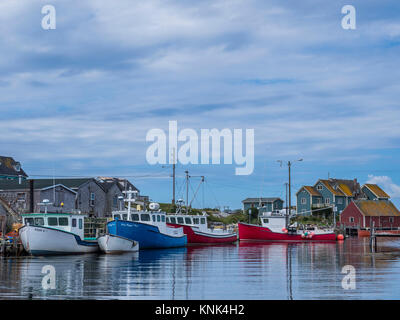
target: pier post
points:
(372, 240)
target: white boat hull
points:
(39, 240)
(116, 244)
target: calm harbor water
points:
(239, 271)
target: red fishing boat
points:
(273, 228)
(197, 231)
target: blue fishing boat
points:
(149, 228)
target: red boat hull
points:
(202, 237)
(257, 233)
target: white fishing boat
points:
(110, 243)
(55, 233)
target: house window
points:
(318, 200)
(303, 200)
(327, 201)
(340, 200)
(92, 198)
(351, 219)
(319, 187)
(391, 219)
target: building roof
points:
(106, 183)
(377, 208)
(327, 184)
(262, 199)
(311, 190)
(10, 168)
(345, 189)
(376, 190)
(71, 183)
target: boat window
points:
(158, 218)
(163, 218)
(168, 220)
(203, 220)
(266, 220)
(188, 221)
(145, 217)
(154, 218)
(52, 221)
(134, 217)
(80, 224)
(196, 220)
(39, 221)
(173, 220)
(125, 217)
(63, 221)
(117, 216)
(73, 223)
(180, 220)
(30, 221)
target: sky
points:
(79, 100)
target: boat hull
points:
(195, 236)
(249, 232)
(115, 244)
(148, 236)
(38, 240)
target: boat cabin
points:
(68, 222)
(273, 221)
(148, 217)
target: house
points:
(361, 214)
(100, 196)
(266, 204)
(374, 192)
(24, 197)
(11, 169)
(330, 193)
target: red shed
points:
(361, 214)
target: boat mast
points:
(187, 191)
(173, 176)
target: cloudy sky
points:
(79, 100)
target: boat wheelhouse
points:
(197, 231)
(55, 233)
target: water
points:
(239, 271)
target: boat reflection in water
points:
(243, 271)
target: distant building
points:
(93, 196)
(266, 204)
(100, 196)
(361, 214)
(10, 169)
(331, 193)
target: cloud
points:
(386, 184)
(93, 87)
